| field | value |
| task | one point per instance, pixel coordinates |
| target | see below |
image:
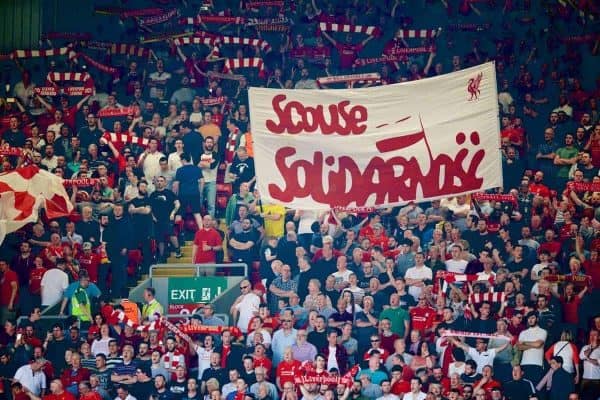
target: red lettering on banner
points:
(341, 120)
(348, 185)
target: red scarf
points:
(418, 33)
(502, 198)
(348, 28)
(252, 62)
(80, 182)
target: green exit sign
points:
(196, 290)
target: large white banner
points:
(380, 146)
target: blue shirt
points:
(92, 290)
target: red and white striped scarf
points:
(418, 33)
(129, 49)
(182, 41)
(358, 78)
(490, 297)
(211, 40)
(124, 138)
(348, 28)
(452, 277)
(53, 89)
(477, 335)
(231, 143)
(263, 44)
(53, 77)
(252, 62)
(61, 51)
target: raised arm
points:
(331, 40)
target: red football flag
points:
(24, 191)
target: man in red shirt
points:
(90, 261)
(86, 392)
(287, 369)
(9, 285)
(400, 386)
(57, 392)
(71, 377)
(69, 114)
(422, 317)
(348, 51)
(35, 280)
(207, 242)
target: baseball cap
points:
(87, 246)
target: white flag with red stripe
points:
(24, 191)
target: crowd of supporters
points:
(469, 297)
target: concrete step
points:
(182, 260)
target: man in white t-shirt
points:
(386, 388)
(150, 160)
(456, 264)
(590, 354)
(31, 377)
(342, 275)
(245, 306)
(480, 353)
(415, 390)
(531, 343)
(54, 283)
(416, 276)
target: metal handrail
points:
(51, 318)
(200, 267)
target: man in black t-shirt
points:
(140, 211)
(178, 387)
(164, 205)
